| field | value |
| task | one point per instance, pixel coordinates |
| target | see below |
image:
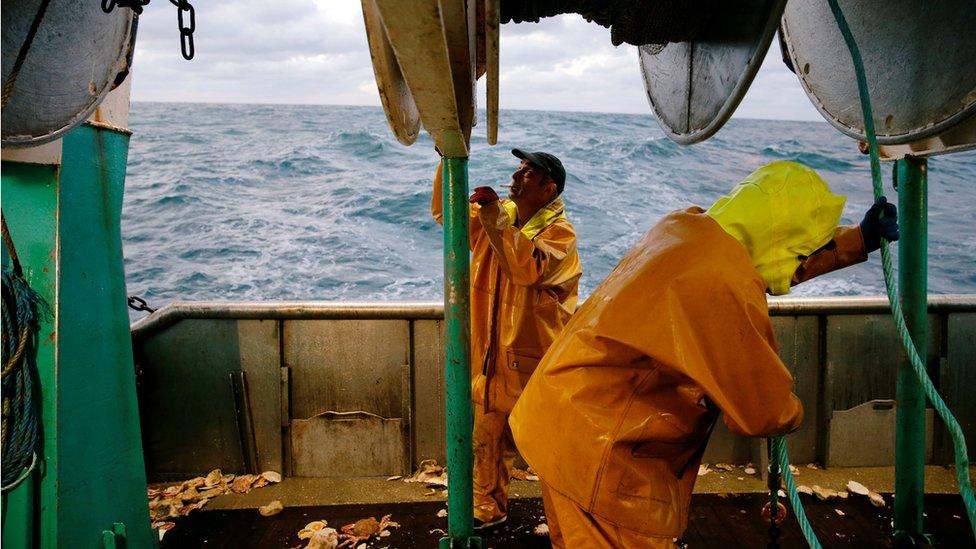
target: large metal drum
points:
(694, 87)
(73, 61)
(919, 60)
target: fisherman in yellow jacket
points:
(619, 411)
(524, 277)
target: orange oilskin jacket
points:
(619, 411)
(524, 289)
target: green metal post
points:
(457, 315)
(66, 225)
(913, 287)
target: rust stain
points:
(97, 117)
(44, 270)
(50, 339)
(91, 88)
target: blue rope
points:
(23, 309)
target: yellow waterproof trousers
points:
(494, 455)
(572, 527)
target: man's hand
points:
(880, 221)
(483, 196)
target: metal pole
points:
(457, 314)
(913, 287)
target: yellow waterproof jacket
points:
(524, 288)
(620, 409)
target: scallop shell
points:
(325, 538)
(271, 509)
(857, 488)
(242, 484)
(877, 499)
(213, 478)
(271, 476)
(311, 528)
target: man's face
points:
(531, 184)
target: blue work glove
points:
(880, 221)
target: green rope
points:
(958, 440)
(780, 455)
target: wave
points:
(817, 161)
(261, 203)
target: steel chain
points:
(185, 16)
(134, 5)
(186, 26)
(139, 304)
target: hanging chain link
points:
(134, 5)
(187, 24)
(185, 17)
(139, 304)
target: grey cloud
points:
(314, 51)
(249, 29)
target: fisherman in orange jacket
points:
(524, 276)
(618, 413)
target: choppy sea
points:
(269, 202)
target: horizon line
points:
(480, 109)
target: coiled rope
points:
(23, 309)
(955, 431)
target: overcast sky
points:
(314, 52)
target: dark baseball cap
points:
(547, 162)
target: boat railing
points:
(353, 389)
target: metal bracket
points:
(115, 538)
(473, 542)
(902, 539)
(245, 420)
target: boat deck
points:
(725, 512)
(726, 521)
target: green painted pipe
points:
(913, 285)
(457, 315)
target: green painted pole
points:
(65, 222)
(913, 287)
(457, 315)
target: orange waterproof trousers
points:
(572, 527)
(494, 455)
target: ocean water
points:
(273, 202)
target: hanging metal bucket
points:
(919, 60)
(694, 87)
(75, 58)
